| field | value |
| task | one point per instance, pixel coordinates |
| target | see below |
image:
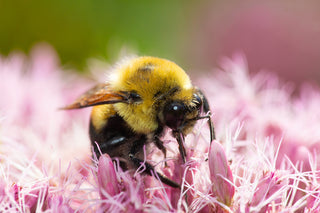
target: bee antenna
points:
(212, 133)
(211, 127)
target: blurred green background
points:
(79, 29)
(280, 36)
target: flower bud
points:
(220, 174)
(107, 178)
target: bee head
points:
(177, 114)
(173, 114)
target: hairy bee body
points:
(150, 78)
(143, 97)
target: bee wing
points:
(98, 95)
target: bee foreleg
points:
(180, 138)
(159, 144)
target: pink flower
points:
(262, 161)
(313, 200)
(58, 203)
(220, 174)
(267, 192)
(107, 178)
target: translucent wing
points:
(98, 95)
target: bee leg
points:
(180, 138)
(159, 144)
(150, 170)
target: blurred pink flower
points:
(266, 158)
(279, 36)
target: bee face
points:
(143, 97)
(179, 115)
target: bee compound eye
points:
(173, 114)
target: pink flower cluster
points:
(265, 158)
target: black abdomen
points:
(116, 139)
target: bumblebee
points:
(143, 97)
